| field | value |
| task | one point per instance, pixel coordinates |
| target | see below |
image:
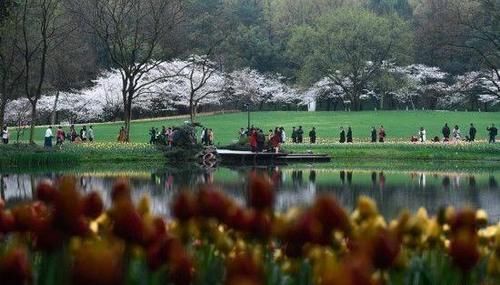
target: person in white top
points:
(48, 137)
(5, 135)
(456, 133)
(422, 134)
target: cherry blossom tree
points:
(252, 87)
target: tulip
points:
(93, 205)
(212, 203)
(7, 222)
(464, 219)
(330, 214)
(385, 248)
(15, 267)
(185, 206)
(260, 193)
(46, 191)
(182, 270)
(97, 263)
(127, 222)
(120, 190)
(464, 250)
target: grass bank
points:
(478, 152)
(72, 155)
(399, 125)
(387, 156)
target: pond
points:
(296, 186)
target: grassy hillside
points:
(399, 125)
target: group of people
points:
(83, 135)
(277, 137)
(375, 135)
(259, 141)
(207, 136)
(164, 137)
(455, 135)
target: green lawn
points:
(399, 125)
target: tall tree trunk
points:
(127, 113)
(381, 107)
(33, 121)
(191, 109)
(3, 103)
(54, 110)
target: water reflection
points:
(393, 191)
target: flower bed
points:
(66, 237)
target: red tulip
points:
(464, 250)
(242, 266)
(182, 270)
(464, 219)
(331, 214)
(212, 203)
(185, 206)
(385, 248)
(261, 225)
(260, 193)
(68, 207)
(46, 191)
(127, 222)
(32, 217)
(7, 222)
(15, 267)
(120, 190)
(93, 205)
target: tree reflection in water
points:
(393, 191)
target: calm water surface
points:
(296, 186)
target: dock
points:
(248, 157)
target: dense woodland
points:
(186, 55)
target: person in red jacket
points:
(252, 139)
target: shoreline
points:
(385, 155)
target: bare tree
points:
(204, 82)
(41, 30)
(10, 69)
(132, 33)
(480, 33)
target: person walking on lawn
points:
(300, 135)
(48, 137)
(312, 135)
(374, 135)
(492, 132)
(349, 135)
(381, 134)
(446, 132)
(342, 135)
(472, 133)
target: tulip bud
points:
(93, 205)
(185, 206)
(46, 191)
(330, 214)
(260, 193)
(120, 190)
